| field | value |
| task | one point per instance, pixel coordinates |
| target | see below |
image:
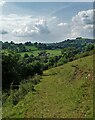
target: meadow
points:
(36, 52)
(63, 92)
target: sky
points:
(45, 22)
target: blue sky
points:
(67, 9)
(46, 21)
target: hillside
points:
(64, 92)
(81, 44)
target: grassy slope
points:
(65, 91)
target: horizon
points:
(46, 22)
(46, 42)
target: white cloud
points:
(63, 24)
(24, 25)
(82, 24)
(42, 29)
(3, 32)
(32, 28)
(2, 2)
(84, 17)
(41, 26)
(52, 18)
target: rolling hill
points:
(63, 92)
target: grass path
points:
(64, 92)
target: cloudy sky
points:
(45, 22)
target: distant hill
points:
(80, 44)
(28, 46)
(64, 92)
(77, 43)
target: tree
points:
(16, 68)
(26, 55)
(30, 58)
(89, 47)
(28, 43)
(37, 67)
(22, 48)
(10, 68)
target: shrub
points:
(25, 87)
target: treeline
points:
(78, 43)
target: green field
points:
(35, 52)
(64, 92)
(33, 48)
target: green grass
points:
(64, 92)
(35, 52)
(33, 48)
(54, 52)
(0, 113)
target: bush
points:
(26, 55)
(16, 68)
(4, 97)
(25, 87)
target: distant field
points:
(35, 52)
(54, 52)
(33, 48)
(64, 92)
